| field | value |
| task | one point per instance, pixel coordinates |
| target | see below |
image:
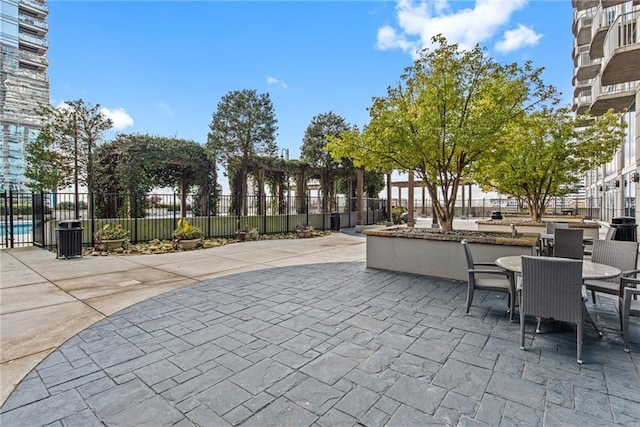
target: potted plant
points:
(304, 231)
(186, 236)
(111, 236)
(247, 233)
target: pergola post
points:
(410, 220)
(389, 218)
(360, 189)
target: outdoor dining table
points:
(590, 271)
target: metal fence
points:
(33, 218)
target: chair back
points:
(567, 243)
(611, 233)
(467, 254)
(551, 226)
(552, 288)
(622, 255)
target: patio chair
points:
(629, 305)
(567, 243)
(616, 253)
(548, 244)
(551, 288)
(499, 280)
(611, 233)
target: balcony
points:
(582, 85)
(582, 102)
(582, 23)
(586, 68)
(610, 3)
(33, 61)
(34, 44)
(621, 54)
(32, 26)
(35, 8)
(584, 4)
(618, 97)
(601, 23)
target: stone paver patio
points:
(327, 345)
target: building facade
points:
(24, 83)
(606, 54)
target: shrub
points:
(186, 231)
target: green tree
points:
(243, 127)
(64, 155)
(544, 153)
(449, 111)
(325, 168)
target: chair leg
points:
(579, 343)
(521, 331)
(538, 326)
(469, 297)
(593, 297)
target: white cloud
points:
(166, 108)
(515, 39)
(419, 21)
(119, 116)
(275, 81)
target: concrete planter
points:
(110, 245)
(187, 245)
(591, 229)
(438, 254)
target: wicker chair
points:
(551, 288)
(620, 254)
(502, 280)
(567, 243)
(547, 245)
(629, 305)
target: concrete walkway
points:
(294, 332)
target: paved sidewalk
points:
(295, 332)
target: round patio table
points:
(590, 270)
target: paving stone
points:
(418, 394)
(84, 418)
(157, 372)
(31, 390)
(352, 351)
(291, 359)
(415, 366)
(517, 390)
(380, 361)
(137, 363)
(314, 396)
(45, 411)
(409, 416)
(286, 384)
(396, 341)
(335, 418)
(329, 367)
(593, 403)
(197, 384)
(357, 402)
(203, 416)
(283, 413)
(625, 412)
(207, 334)
(258, 402)
(462, 378)
(120, 397)
(519, 414)
(154, 411)
(376, 382)
(375, 418)
(97, 386)
(299, 323)
(261, 376)
(223, 397)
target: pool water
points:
(17, 229)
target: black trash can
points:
(496, 215)
(69, 239)
(626, 228)
(335, 221)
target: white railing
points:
(623, 32)
(597, 89)
(33, 58)
(42, 6)
(585, 60)
(35, 40)
(34, 22)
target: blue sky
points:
(162, 67)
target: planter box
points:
(188, 244)
(110, 245)
(591, 229)
(439, 255)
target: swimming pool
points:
(17, 229)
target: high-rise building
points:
(606, 55)
(23, 83)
